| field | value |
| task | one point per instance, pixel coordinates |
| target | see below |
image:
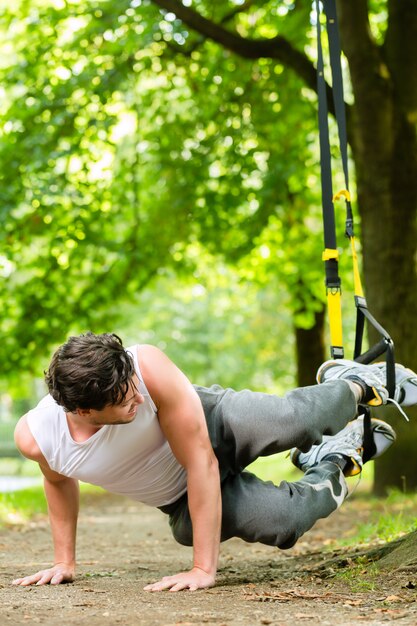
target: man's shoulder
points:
(25, 441)
(41, 417)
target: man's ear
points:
(83, 412)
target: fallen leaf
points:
(396, 612)
(353, 602)
(287, 596)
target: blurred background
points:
(160, 179)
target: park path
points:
(123, 545)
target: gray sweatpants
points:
(244, 425)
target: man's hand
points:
(59, 573)
(192, 580)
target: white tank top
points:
(132, 459)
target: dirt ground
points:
(123, 545)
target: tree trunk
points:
(385, 154)
(382, 131)
(310, 350)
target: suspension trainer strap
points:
(369, 445)
(330, 254)
(335, 53)
(386, 344)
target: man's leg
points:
(255, 510)
(244, 425)
(259, 511)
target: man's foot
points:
(371, 381)
(347, 448)
(405, 382)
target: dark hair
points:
(89, 372)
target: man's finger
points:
(29, 580)
(179, 586)
(161, 585)
(44, 579)
(57, 579)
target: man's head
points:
(90, 372)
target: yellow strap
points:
(343, 193)
(356, 274)
(334, 304)
(330, 253)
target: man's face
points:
(122, 413)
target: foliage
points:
(126, 138)
(216, 328)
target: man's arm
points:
(62, 495)
(182, 419)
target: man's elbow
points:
(204, 464)
(212, 466)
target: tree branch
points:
(277, 48)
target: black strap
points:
(385, 345)
(325, 156)
(335, 53)
(369, 445)
(330, 255)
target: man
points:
(130, 421)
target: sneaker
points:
(405, 382)
(371, 380)
(348, 446)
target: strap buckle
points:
(330, 253)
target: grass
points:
(391, 518)
(18, 507)
(361, 577)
